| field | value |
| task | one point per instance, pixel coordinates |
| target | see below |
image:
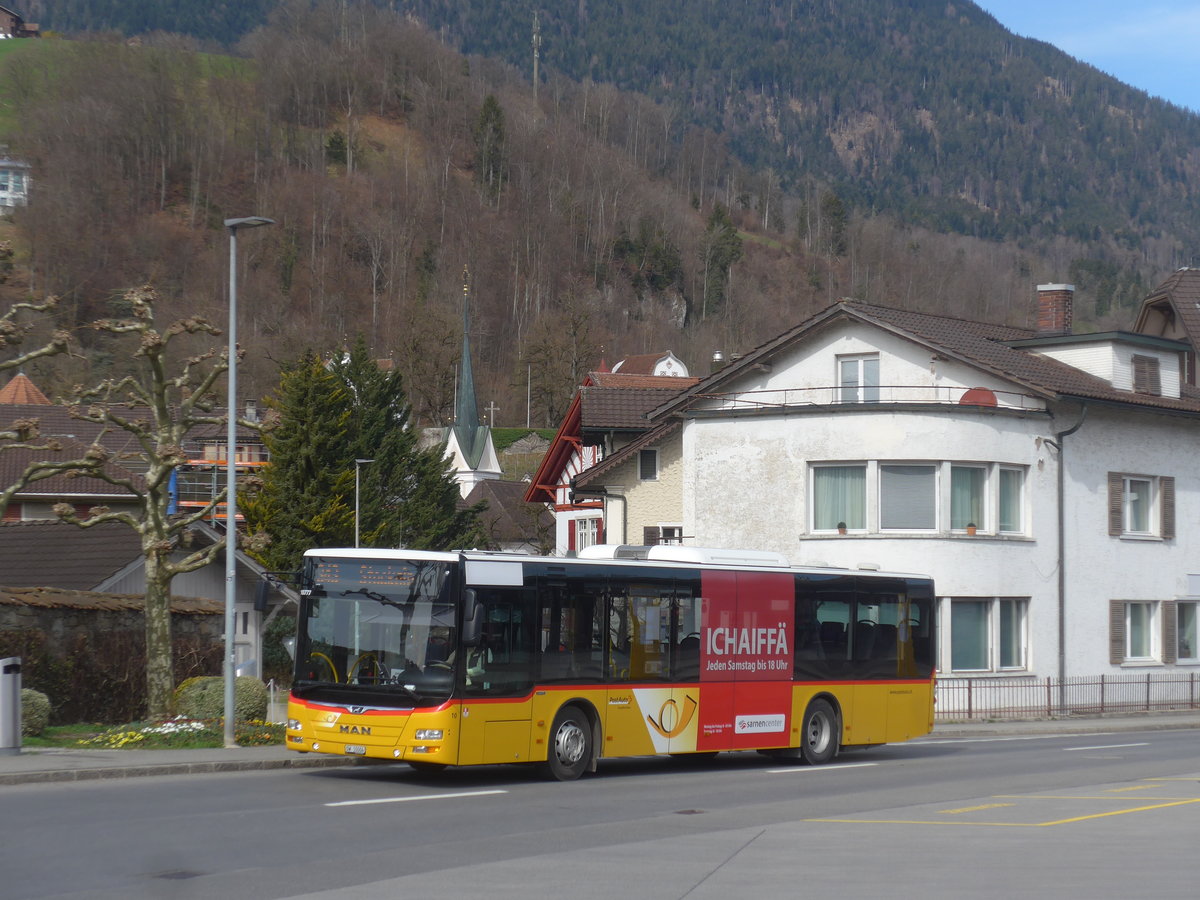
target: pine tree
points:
(407, 494)
(307, 493)
(327, 418)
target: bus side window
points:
(502, 664)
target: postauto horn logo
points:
(671, 720)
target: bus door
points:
(497, 679)
(637, 644)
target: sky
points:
(1154, 45)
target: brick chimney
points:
(1054, 308)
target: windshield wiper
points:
(377, 597)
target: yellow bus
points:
(477, 658)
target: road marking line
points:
(967, 809)
(1000, 740)
(1120, 812)
(1106, 747)
(792, 769)
(1136, 787)
(961, 823)
(418, 797)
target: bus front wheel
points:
(570, 749)
(819, 737)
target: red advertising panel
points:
(745, 659)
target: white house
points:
(1046, 480)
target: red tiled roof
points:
(21, 390)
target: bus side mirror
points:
(472, 619)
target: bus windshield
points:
(372, 626)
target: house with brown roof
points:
(1045, 479)
(607, 413)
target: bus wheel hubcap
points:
(569, 743)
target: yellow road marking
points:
(1136, 787)
(1103, 815)
(967, 809)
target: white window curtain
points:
(840, 495)
(1012, 488)
(966, 496)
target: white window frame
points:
(995, 637)
(943, 487)
(1150, 609)
(864, 387)
(981, 521)
(1125, 490)
(587, 532)
(866, 500)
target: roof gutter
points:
(605, 496)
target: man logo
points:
(358, 710)
(671, 723)
(355, 729)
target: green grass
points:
(174, 734)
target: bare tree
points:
(156, 408)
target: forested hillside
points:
(592, 222)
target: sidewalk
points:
(37, 764)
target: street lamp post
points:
(357, 463)
(230, 671)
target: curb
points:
(46, 776)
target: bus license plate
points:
(356, 749)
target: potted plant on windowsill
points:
(841, 526)
(971, 528)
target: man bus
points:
(476, 658)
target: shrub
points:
(35, 711)
(203, 697)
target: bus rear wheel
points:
(570, 749)
(819, 733)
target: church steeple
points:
(466, 408)
(469, 443)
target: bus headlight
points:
(293, 724)
(428, 734)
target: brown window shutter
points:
(1116, 503)
(651, 534)
(1170, 631)
(1116, 632)
(1166, 496)
(1146, 377)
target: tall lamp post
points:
(230, 670)
(357, 463)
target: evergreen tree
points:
(328, 417)
(407, 495)
(307, 493)
(489, 147)
(719, 250)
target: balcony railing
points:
(1019, 697)
(862, 395)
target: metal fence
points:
(1024, 698)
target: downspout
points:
(1057, 443)
(605, 495)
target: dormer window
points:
(1146, 378)
(858, 378)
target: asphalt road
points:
(1064, 816)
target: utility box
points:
(10, 706)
